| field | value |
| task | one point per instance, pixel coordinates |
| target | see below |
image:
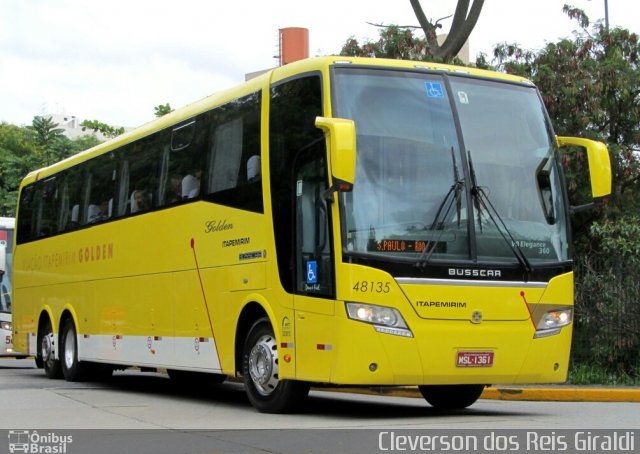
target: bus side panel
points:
(195, 345)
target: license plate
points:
(474, 359)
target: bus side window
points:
(100, 189)
(70, 197)
(122, 199)
(181, 163)
(234, 164)
(48, 213)
(27, 211)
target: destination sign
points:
(399, 246)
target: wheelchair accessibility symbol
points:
(434, 89)
(312, 272)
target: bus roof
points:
(318, 64)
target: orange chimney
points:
(294, 44)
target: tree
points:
(394, 42)
(402, 43)
(21, 151)
(464, 20)
(47, 134)
(19, 154)
(162, 110)
(590, 85)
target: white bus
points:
(6, 262)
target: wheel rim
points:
(47, 347)
(69, 349)
(263, 365)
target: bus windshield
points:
(450, 168)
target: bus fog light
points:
(5, 325)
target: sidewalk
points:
(555, 393)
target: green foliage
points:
(607, 324)
(589, 374)
(162, 110)
(590, 85)
(47, 137)
(24, 149)
(394, 42)
(85, 142)
(19, 153)
(106, 130)
(619, 238)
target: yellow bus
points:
(335, 221)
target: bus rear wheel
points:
(451, 397)
(72, 369)
(260, 371)
(50, 364)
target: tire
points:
(72, 369)
(266, 392)
(50, 364)
(451, 397)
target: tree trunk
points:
(464, 20)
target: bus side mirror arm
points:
(341, 153)
(586, 207)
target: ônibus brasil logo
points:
(32, 442)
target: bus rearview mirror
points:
(341, 141)
(599, 163)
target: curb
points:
(563, 394)
(551, 394)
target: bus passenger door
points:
(314, 271)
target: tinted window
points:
(182, 162)
(70, 187)
(100, 189)
(26, 214)
(294, 107)
(234, 160)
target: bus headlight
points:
(553, 321)
(5, 325)
(384, 319)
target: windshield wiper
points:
(481, 200)
(455, 190)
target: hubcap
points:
(47, 347)
(69, 349)
(263, 365)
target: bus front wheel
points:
(260, 371)
(451, 397)
(50, 364)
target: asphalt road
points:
(150, 401)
